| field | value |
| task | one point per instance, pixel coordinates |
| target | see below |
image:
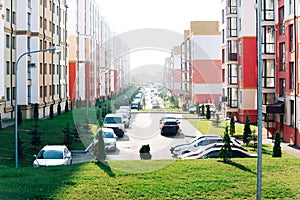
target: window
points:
(232, 74)
(268, 10)
(29, 3)
(292, 76)
(13, 17)
(232, 97)
(223, 55)
(240, 24)
(7, 15)
(292, 118)
(268, 74)
(291, 7)
(231, 6)
(29, 70)
(50, 5)
(53, 28)
(29, 93)
(50, 90)
(281, 20)
(241, 73)
(232, 50)
(50, 69)
(281, 87)
(41, 44)
(7, 41)
(8, 94)
(53, 69)
(45, 3)
(240, 48)
(291, 39)
(14, 93)
(41, 68)
(28, 43)
(268, 40)
(45, 45)
(223, 17)
(282, 56)
(13, 68)
(45, 90)
(223, 75)
(28, 21)
(50, 26)
(7, 67)
(232, 27)
(41, 22)
(13, 45)
(41, 91)
(241, 97)
(45, 24)
(223, 36)
(45, 68)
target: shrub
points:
(276, 147)
(225, 152)
(145, 152)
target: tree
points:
(276, 147)
(68, 138)
(98, 148)
(232, 125)
(36, 134)
(202, 110)
(217, 121)
(19, 116)
(247, 131)
(225, 152)
(208, 112)
(51, 111)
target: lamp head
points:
(55, 48)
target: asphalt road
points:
(144, 129)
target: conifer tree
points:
(225, 152)
(276, 147)
(98, 148)
(232, 125)
(208, 115)
(247, 131)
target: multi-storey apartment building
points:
(201, 63)
(2, 82)
(239, 59)
(280, 82)
(96, 68)
(43, 77)
(172, 71)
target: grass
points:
(181, 179)
(208, 126)
(51, 134)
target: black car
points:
(169, 126)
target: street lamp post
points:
(53, 48)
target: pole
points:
(259, 102)
(16, 96)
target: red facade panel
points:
(72, 80)
(207, 71)
(248, 61)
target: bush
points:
(276, 147)
(145, 152)
(98, 147)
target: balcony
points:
(232, 56)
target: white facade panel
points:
(21, 15)
(247, 15)
(82, 89)
(35, 17)
(207, 89)
(206, 47)
(35, 82)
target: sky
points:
(174, 15)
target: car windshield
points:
(170, 123)
(50, 154)
(113, 120)
(108, 135)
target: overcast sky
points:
(173, 15)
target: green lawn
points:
(51, 133)
(208, 126)
(181, 179)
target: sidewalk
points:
(285, 146)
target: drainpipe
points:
(65, 52)
(295, 79)
(52, 55)
(43, 66)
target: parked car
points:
(169, 126)
(110, 139)
(193, 140)
(126, 108)
(115, 121)
(52, 155)
(125, 117)
(235, 153)
(195, 145)
(195, 154)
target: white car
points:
(115, 121)
(110, 139)
(197, 154)
(52, 155)
(195, 145)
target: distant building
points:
(201, 63)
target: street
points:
(144, 129)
